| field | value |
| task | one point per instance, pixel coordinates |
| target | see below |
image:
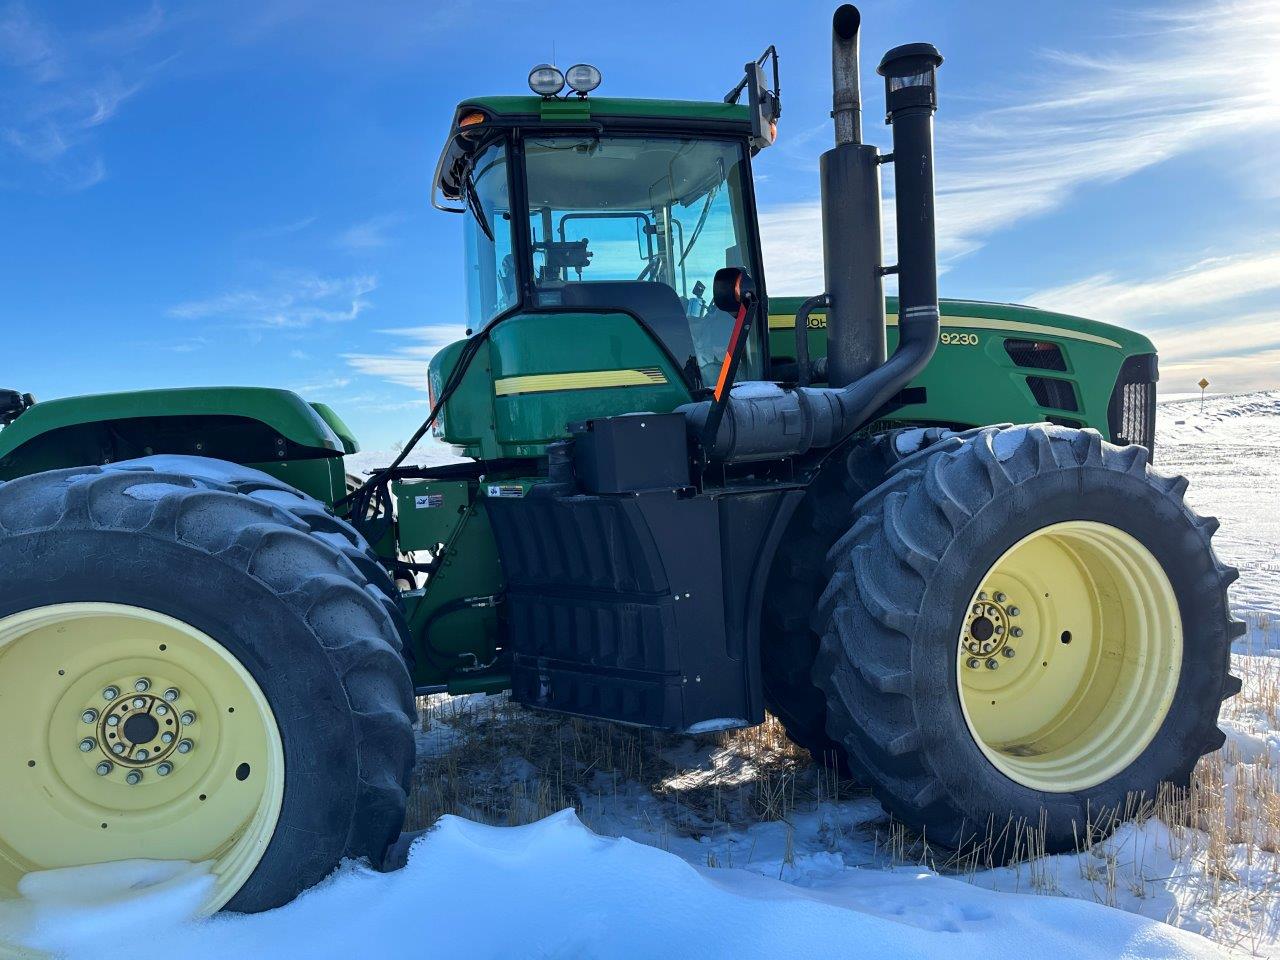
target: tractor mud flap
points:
(641, 608)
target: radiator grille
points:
(1132, 412)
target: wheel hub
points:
(989, 630)
(138, 730)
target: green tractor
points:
(681, 504)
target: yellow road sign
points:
(1203, 383)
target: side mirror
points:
(764, 106)
(732, 289)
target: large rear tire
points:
(194, 665)
(1025, 628)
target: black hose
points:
(360, 498)
(451, 606)
(768, 421)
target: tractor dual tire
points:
(788, 643)
(946, 558)
(226, 589)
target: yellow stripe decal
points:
(788, 322)
(580, 380)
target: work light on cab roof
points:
(547, 81)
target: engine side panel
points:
(272, 430)
(999, 363)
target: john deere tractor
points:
(681, 504)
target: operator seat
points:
(656, 304)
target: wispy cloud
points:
(56, 90)
(290, 301)
(1182, 79)
(368, 234)
(406, 364)
(1213, 280)
(1197, 316)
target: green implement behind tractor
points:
(681, 503)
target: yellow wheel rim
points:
(126, 734)
(1069, 656)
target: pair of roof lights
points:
(547, 81)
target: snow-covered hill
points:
(731, 845)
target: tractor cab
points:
(597, 206)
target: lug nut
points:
(972, 663)
(171, 694)
(113, 721)
(133, 778)
(139, 703)
(164, 769)
(184, 746)
(86, 745)
(1016, 632)
(999, 598)
(999, 628)
(161, 710)
(142, 685)
(1014, 611)
(110, 693)
(166, 737)
(89, 716)
(188, 717)
(143, 754)
(1008, 653)
(104, 768)
(982, 595)
(977, 608)
(993, 664)
(117, 749)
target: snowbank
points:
(555, 889)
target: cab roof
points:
(555, 109)
(702, 116)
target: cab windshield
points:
(642, 224)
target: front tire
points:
(248, 602)
(1121, 654)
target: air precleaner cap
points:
(910, 76)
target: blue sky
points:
(236, 192)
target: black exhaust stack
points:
(767, 421)
(850, 175)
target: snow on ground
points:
(734, 844)
(1230, 451)
(555, 889)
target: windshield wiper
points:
(473, 204)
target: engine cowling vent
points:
(1036, 354)
(1054, 393)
